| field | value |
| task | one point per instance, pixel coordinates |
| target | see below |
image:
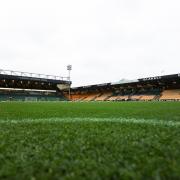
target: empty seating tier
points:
(170, 95)
(91, 97)
(104, 96)
(148, 97)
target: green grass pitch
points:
(93, 140)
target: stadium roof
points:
(25, 80)
(156, 80)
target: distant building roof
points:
(124, 81)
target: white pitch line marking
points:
(116, 120)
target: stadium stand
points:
(25, 95)
(23, 86)
(147, 89)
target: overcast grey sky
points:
(104, 40)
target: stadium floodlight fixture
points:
(69, 68)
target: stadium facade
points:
(25, 86)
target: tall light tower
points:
(69, 68)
